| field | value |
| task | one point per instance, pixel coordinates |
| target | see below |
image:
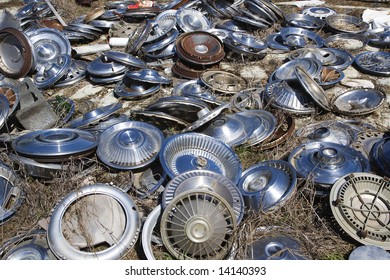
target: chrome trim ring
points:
(119, 244)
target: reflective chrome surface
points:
(380, 156)
(319, 12)
(28, 246)
(234, 129)
(342, 23)
(326, 162)
(312, 88)
(205, 180)
(191, 20)
(100, 208)
(329, 131)
(357, 102)
(11, 193)
(267, 185)
(57, 144)
(289, 97)
(304, 21)
(207, 226)
(374, 63)
(48, 43)
(129, 145)
(276, 247)
(148, 76)
(266, 125)
(52, 71)
(94, 116)
(194, 151)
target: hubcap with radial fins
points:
(129, 145)
(205, 180)
(205, 223)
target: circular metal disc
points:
(27, 246)
(347, 41)
(204, 222)
(51, 72)
(222, 81)
(138, 37)
(76, 72)
(56, 144)
(275, 41)
(279, 247)
(48, 43)
(191, 151)
(160, 29)
(297, 37)
(205, 180)
(16, 53)
(129, 145)
(357, 102)
(194, 88)
(326, 162)
(191, 20)
(148, 76)
(11, 194)
(329, 131)
(185, 108)
(210, 115)
(312, 88)
(266, 186)
(94, 116)
(125, 58)
(319, 12)
(287, 70)
(288, 97)
(136, 90)
(360, 205)
(234, 129)
(342, 23)
(161, 44)
(166, 52)
(100, 208)
(374, 63)
(103, 67)
(304, 21)
(369, 252)
(267, 125)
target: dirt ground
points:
(306, 218)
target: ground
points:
(306, 218)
